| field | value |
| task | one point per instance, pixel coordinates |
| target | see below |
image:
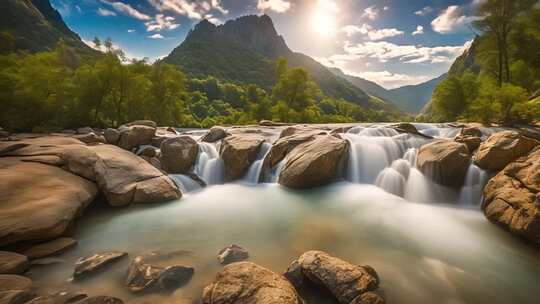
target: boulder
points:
(148, 151)
(112, 136)
(409, 128)
(314, 163)
(26, 187)
(96, 262)
(143, 275)
(502, 148)
(15, 289)
(59, 298)
(444, 161)
(13, 263)
(346, 282)
(132, 136)
(471, 131)
(178, 154)
(284, 145)
(512, 197)
(214, 134)
(472, 142)
(238, 153)
(50, 248)
(85, 130)
(231, 254)
(292, 130)
(101, 300)
(91, 138)
(148, 123)
(246, 282)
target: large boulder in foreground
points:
(512, 197)
(13, 263)
(502, 148)
(314, 163)
(178, 154)
(238, 153)
(347, 282)
(39, 201)
(246, 282)
(444, 161)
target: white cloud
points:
(419, 30)
(127, 9)
(426, 10)
(371, 13)
(278, 6)
(105, 12)
(214, 20)
(161, 22)
(391, 80)
(451, 20)
(192, 9)
(156, 36)
(372, 34)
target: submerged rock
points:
(347, 282)
(238, 153)
(96, 262)
(13, 263)
(246, 282)
(444, 161)
(231, 254)
(178, 154)
(512, 197)
(142, 275)
(314, 163)
(214, 134)
(50, 248)
(502, 148)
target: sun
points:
(323, 23)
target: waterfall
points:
(185, 183)
(471, 192)
(209, 165)
(391, 181)
(254, 171)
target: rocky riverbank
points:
(48, 181)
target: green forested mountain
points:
(409, 98)
(244, 51)
(34, 25)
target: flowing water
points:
(429, 244)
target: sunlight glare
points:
(323, 23)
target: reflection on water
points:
(423, 253)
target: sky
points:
(391, 42)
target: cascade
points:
(254, 171)
(209, 165)
(475, 180)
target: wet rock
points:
(27, 187)
(214, 134)
(512, 197)
(91, 138)
(444, 161)
(238, 153)
(368, 298)
(13, 263)
(132, 136)
(148, 151)
(59, 298)
(112, 136)
(472, 142)
(85, 130)
(314, 163)
(232, 253)
(15, 289)
(96, 262)
(142, 275)
(16, 296)
(502, 148)
(246, 282)
(284, 145)
(471, 131)
(101, 300)
(409, 128)
(347, 282)
(178, 154)
(50, 248)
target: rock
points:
(444, 161)
(472, 142)
(101, 300)
(4, 133)
(59, 298)
(147, 123)
(16, 296)
(238, 153)
(28, 186)
(112, 136)
(345, 281)
(292, 130)
(148, 151)
(142, 275)
(132, 136)
(214, 134)
(314, 163)
(85, 130)
(15, 289)
(409, 128)
(50, 248)
(13, 263)
(471, 131)
(512, 197)
(368, 298)
(231, 254)
(178, 154)
(502, 148)
(246, 282)
(96, 262)
(269, 123)
(284, 145)
(91, 138)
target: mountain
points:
(244, 50)
(409, 98)
(36, 26)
